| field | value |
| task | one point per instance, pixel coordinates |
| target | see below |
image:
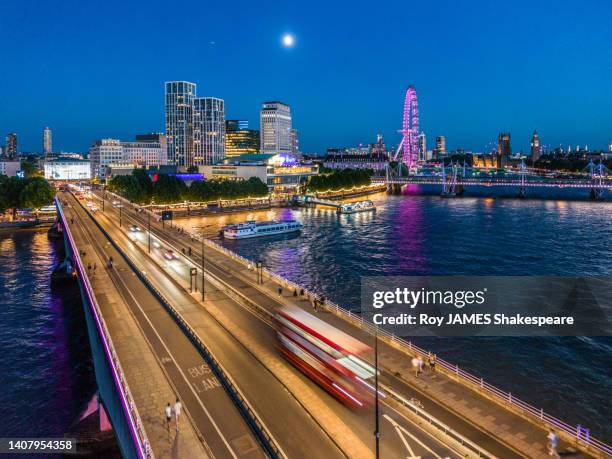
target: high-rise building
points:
(440, 145)
(422, 147)
(275, 125)
(239, 139)
(208, 130)
(535, 146)
(47, 141)
(10, 150)
(610, 147)
(295, 142)
(504, 150)
(179, 122)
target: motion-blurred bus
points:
(330, 357)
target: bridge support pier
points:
(596, 194)
(394, 188)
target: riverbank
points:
(26, 224)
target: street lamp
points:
(149, 225)
(203, 258)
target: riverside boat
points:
(354, 207)
(251, 229)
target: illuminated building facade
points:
(239, 139)
(67, 169)
(10, 151)
(179, 99)
(208, 130)
(283, 173)
(504, 150)
(440, 145)
(535, 146)
(47, 141)
(275, 125)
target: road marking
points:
(401, 430)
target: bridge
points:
(198, 326)
(454, 178)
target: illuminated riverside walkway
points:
(455, 420)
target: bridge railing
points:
(574, 434)
(138, 433)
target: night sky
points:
(96, 69)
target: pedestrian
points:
(432, 362)
(89, 268)
(189, 251)
(94, 269)
(302, 292)
(177, 412)
(280, 291)
(415, 366)
(168, 416)
(553, 442)
(421, 363)
(294, 292)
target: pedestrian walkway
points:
(148, 384)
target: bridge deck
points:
(148, 384)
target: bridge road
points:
(149, 385)
(394, 422)
(294, 429)
(220, 426)
(483, 421)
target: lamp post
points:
(149, 225)
(203, 270)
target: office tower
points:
(239, 139)
(503, 149)
(208, 130)
(422, 146)
(295, 142)
(275, 126)
(10, 151)
(179, 122)
(535, 146)
(47, 141)
(440, 145)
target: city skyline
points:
(473, 81)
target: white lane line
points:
(401, 430)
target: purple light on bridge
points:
(410, 128)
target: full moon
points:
(288, 40)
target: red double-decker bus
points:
(327, 355)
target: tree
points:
(168, 189)
(37, 193)
(30, 170)
(10, 189)
(146, 185)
